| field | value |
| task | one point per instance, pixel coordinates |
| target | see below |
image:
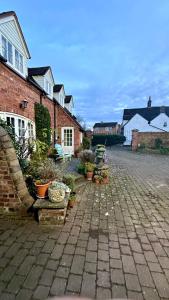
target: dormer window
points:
(7, 50)
(18, 61)
(48, 87)
(165, 124)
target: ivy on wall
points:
(42, 123)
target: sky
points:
(109, 54)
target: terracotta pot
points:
(41, 189)
(89, 175)
(105, 180)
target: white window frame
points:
(23, 131)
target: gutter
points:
(158, 128)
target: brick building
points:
(21, 87)
(106, 128)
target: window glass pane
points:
(4, 47)
(21, 63)
(10, 54)
(16, 59)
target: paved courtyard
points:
(115, 243)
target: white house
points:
(69, 104)
(148, 119)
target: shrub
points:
(81, 169)
(87, 156)
(69, 180)
(164, 150)
(42, 122)
(86, 143)
(89, 167)
(108, 140)
(158, 143)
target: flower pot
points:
(89, 175)
(72, 200)
(97, 181)
(41, 189)
(105, 180)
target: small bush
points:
(43, 123)
(87, 156)
(86, 143)
(158, 143)
(81, 169)
(69, 180)
(164, 150)
(108, 140)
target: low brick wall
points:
(148, 139)
(14, 195)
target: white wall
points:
(60, 97)
(137, 122)
(39, 80)
(160, 120)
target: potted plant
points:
(42, 187)
(96, 179)
(72, 199)
(105, 178)
(89, 170)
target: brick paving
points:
(115, 242)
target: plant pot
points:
(41, 189)
(97, 181)
(89, 175)
(105, 180)
(72, 200)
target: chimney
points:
(149, 102)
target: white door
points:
(68, 140)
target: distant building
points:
(147, 119)
(106, 128)
(89, 134)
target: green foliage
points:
(87, 156)
(86, 143)
(158, 143)
(69, 180)
(12, 135)
(108, 140)
(89, 167)
(81, 169)
(164, 150)
(43, 124)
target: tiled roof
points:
(57, 88)
(40, 71)
(68, 98)
(148, 113)
(103, 124)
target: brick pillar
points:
(134, 143)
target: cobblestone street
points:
(114, 244)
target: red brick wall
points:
(14, 89)
(64, 120)
(148, 138)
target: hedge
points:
(108, 140)
(42, 123)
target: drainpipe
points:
(54, 115)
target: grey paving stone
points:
(139, 258)
(42, 259)
(115, 253)
(33, 277)
(135, 295)
(90, 267)
(103, 266)
(103, 293)
(41, 292)
(19, 257)
(72, 240)
(132, 282)
(24, 294)
(116, 263)
(15, 284)
(57, 252)
(63, 237)
(49, 245)
(119, 291)
(7, 296)
(3, 250)
(128, 264)
(58, 287)
(8, 273)
(69, 249)
(150, 294)
(81, 243)
(161, 284)
(144, 276)
(13, 250)
(80, 251)
(26, 265)
(74, 283)
(66, 260)
(135, 245)
(103, 255)
(78, 264)
(52, 264)
(158, 249)
(164, 262)
(63, 272)
(91, 256)
(88, 285)
(103, 279)
(3, 262)
(154, 267)
(150, 256)
(47, 278)
(117, 276)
